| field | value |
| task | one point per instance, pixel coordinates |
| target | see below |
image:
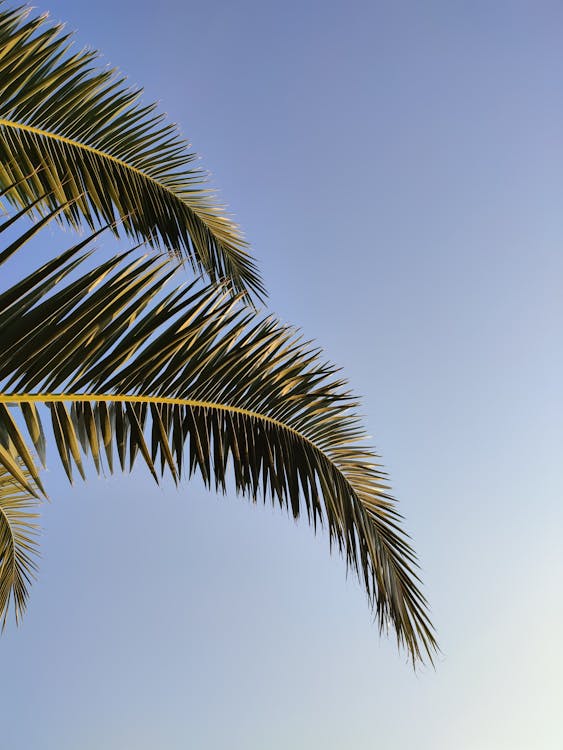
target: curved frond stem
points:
(187, 379)
(75, 136)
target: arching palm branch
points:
(128, 365)
(18, 544)
(75, 136)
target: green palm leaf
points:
(74, 136)
(18, 547)
(191, 380)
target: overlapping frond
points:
(74, 134)
(18, 545)
(191, 380)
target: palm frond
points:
(191, 380)
(18, 546)
(72, 134)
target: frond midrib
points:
(105, 155)
(53, 398)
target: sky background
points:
(398, 170)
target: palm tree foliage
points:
(18, 546)
(75, 135)
(117, 360)
(128, 364)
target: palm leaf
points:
(75, 136)
(18, 547)
(191, 380)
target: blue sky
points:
(398, 170)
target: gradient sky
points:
(398, 170)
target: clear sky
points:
(398, 170)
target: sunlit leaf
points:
(187, 379)
(74, 136)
